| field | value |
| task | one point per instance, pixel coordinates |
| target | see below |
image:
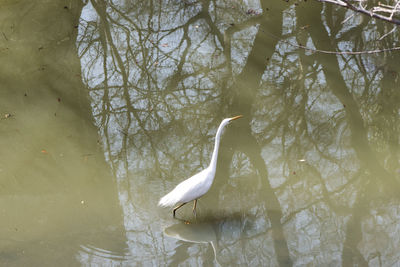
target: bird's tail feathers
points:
(168, 200)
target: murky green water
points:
(105, 106)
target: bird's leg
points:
(177, 207)
(194, 207)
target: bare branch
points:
(373, 12)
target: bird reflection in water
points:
(211, 230)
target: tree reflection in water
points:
(317, 160)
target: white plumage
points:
(199, 184)
(190, 189)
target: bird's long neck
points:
(214, 158)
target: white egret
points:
(199, 184)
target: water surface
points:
(107, 105)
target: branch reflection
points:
(317, 160)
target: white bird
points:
(199, 184)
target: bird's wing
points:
(188, 190)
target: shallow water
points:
(106, 106)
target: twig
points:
(386, 34)
(335, 52)
(346, 19)
(394, 9)
(345, 52)
(362, 10)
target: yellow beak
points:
(236, 117)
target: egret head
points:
(235, 118)
(228, 120)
